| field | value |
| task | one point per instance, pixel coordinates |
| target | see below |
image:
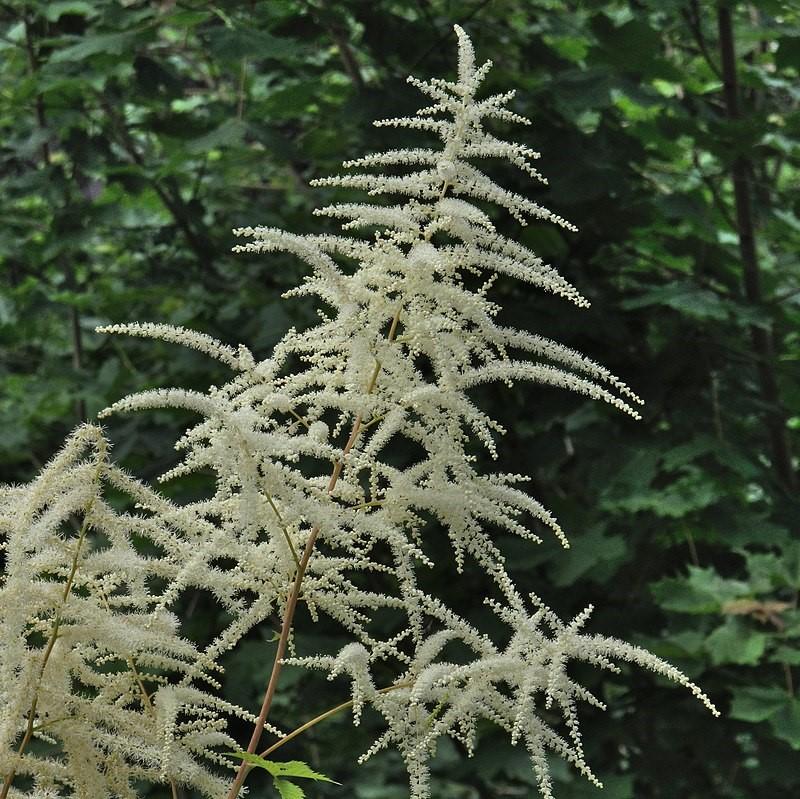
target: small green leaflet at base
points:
(290, 768)
(288, 790)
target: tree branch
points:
(169, 195)
(692, 17)
(719, 203)
(335, 31)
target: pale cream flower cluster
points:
(359, 430)
(93, 669)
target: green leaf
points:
(54, 11)
(297, 768)
(691, 492)
(702, 591)
(786, 723)
(632, 47)
(586, 554)
(228, 133)
(114, 43)
(573, 48)
(687, 298)
(786, 654)
(288, 768)
(237, 43)
(757, 703)
(580, 90)
(788, 54)
(735, 642)
(686, 453)
(188, 19)
(291, 101)
(288, 790)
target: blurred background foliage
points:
(134, 135)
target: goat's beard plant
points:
(99, 691)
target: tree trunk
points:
(761, 337)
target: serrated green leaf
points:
(288, 790)
(297, 768)
(287, 768)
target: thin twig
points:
(692, 548)
(349, 61)
(719, 203)
(375, 503)
(169, 195)
(300, 418)
(326, 715)
(283, 527)
(692, 17)
(147, 702)
(242, 79)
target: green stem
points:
(299, 418)
(326, 715)
(284, 528)
(374, 419)
(375, 503)
(275, 510)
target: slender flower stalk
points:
(291, 604)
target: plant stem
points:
(274, 507)
(299, 418)
(284, 528)
(326, 715)
(291, 604)
(375, 503)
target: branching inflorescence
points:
(308, 490)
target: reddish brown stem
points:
(291, 604)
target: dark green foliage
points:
(135, 135)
